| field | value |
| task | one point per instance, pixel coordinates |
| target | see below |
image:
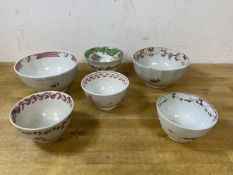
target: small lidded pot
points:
(104, 58)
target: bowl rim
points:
(180, 126)
(148, 67)
(45, 77)
(104, 62)
(104, 95)
(41, 128)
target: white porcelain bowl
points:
(104, 58)
(184, 116)
(47, 70)
(42, 116)
(105, 88)
(158, 67)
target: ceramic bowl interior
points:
(187, 111)
(104, 83)
(45, 64)
(161, 58)
(103, 54)
(41, 110)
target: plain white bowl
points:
(184, 116)
(47, 70)
(105, 88)
(104, 58)
(158, 67)
(42, 116)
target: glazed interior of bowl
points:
(161, 58)
(41, 110)
(105, 83)
(103, 54)
(187, 110)
(45, 64)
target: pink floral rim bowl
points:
(47, 71)
(42, 116)
(105, 88)
(159, 67)
(184, 116)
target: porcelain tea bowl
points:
(159, 67)
(47, 71)
(105, 88)
(184, 116)
(42, 116)
(104, 58)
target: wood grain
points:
(128, 139)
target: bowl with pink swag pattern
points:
(43, 116)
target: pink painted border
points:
(97, 75)
(42, 55)
(38, 97)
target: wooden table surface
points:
(126, 140)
